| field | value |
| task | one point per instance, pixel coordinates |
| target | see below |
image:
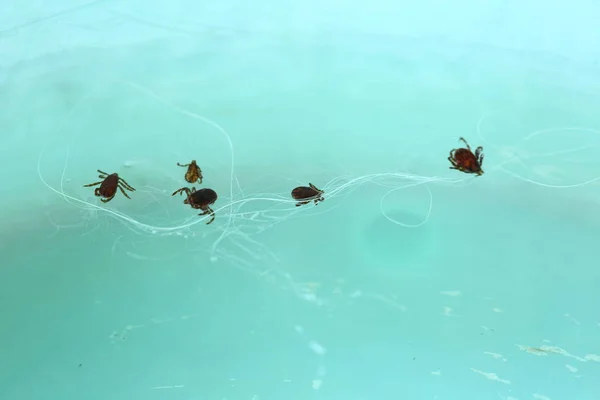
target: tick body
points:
(109, 185)
(464, 160)
(200, 199)
(306, 194)
(193, 173)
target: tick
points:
(306, 194)
(464, 160)
(193, 173)
(200, 199)
(108, 186)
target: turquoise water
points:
(410, 281)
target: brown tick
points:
(306, 194)
(465, 161)
(108, 186)
(200, 199)
(193, 173)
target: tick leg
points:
(302, 203)
(210, 212)
(127, 185)
(93, 184)
(183, 165)
(454, 164)
(462, 139)
(186, 190)
(103, 173)
(107, 200)
(478, 151)
(122, 191)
